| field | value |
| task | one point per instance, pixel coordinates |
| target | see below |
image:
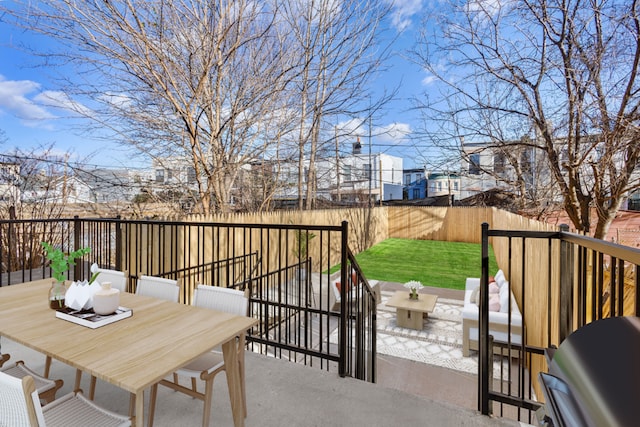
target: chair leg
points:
(152, 404)
(194, 385)
(208, 395)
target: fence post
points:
(565, 308)
(483, 327)
(342, 347)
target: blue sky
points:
(30, 113)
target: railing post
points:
(118, 243)
(342, 346)
(565, 308)
(483, 327)
(637, 302)
(77, 272)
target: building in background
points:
(354, 179)
(415, 184)
(444, 184)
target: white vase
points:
(106, 300)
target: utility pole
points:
(337, 165)
(449, 187)
(380, 189)
(370, 164)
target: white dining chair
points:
(20, 406)
(158, 287)
(117, 278)
(45, 387)
(207, 366)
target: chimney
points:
(357, 147)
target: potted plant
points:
(413, 286)
(60, 262)
(301, 250)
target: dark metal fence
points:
(290, 270)
(563, 281)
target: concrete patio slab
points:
(283, 393)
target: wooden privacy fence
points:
(370, 226)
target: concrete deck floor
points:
(282, 393)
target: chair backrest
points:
(158, 287)
(222, 299)
(19, 402)
(117, 278)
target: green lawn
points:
(434, 263)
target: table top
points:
(132, 353)
(424, 304)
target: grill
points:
(594, 376)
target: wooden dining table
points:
(132, 353)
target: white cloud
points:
(395, 133)
(402, 12)
(428, 80)
(15, 101)
(119, 100)
(485, 7)
(352, 127)
(56, 99)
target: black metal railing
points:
(562, 281)
(289, 270)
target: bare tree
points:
(339, 45)
(173, 77)
(558, 77)
(33, 184)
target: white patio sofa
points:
(335, 305)
(498, 320)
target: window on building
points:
(159, 175)
(455, 185)
(499, 163)
(526, 161)
(346, 172)
(366, 169)
(407, 179)
(191, 174)
(439, 185)
(417, 178)
(474, 164)
(416, 193)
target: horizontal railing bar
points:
(514, 401)
(626, 253)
